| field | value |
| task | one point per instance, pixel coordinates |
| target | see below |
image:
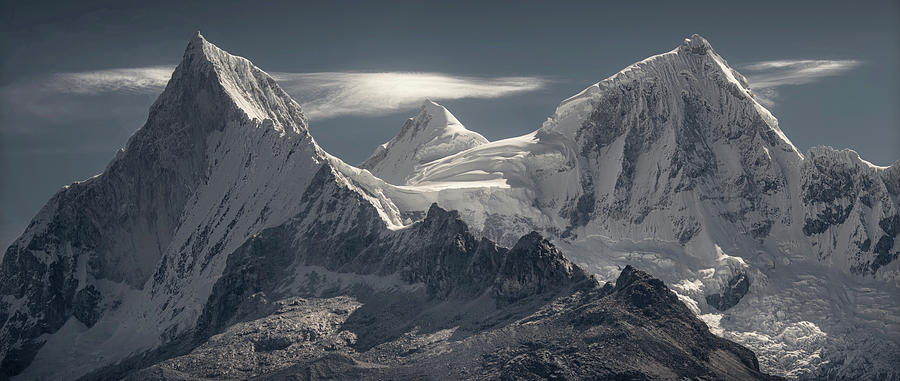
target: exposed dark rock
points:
(87, 305)
(637, 329)
(548, 317)
(761, 229)
(826, 218)
(269, 344)
(535, 266)
(737, 287)
(641, 290)
(46, 288)
(890, 225)
(865, 245)
(583, 211)
(883, 251)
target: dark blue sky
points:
(52, 140)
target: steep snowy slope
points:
(432, 134)
(672, 164)
(129, 253)
(104, 236)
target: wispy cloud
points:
(330, 94)
(322, 95)
(82, 95)
(139, 80)
(766, 76)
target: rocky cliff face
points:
(851, 209)
(672, 144)
(432, 302)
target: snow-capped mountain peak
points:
(440, 116)
(251, 90)
(697, 44)
(664, 84)
(222, 155)
(434, 133)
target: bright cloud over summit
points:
(766, 76)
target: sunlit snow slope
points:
(432, 134)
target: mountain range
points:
(223, 243)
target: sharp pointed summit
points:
(235, 81)
(196, 42)
(697, 44)
(671, 84)
(434, 133)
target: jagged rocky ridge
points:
(480, 312)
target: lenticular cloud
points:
(326, 95)
(766, 76)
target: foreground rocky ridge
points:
(480, 312)
(612, 333)
(346, 297)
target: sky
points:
(77, 78)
